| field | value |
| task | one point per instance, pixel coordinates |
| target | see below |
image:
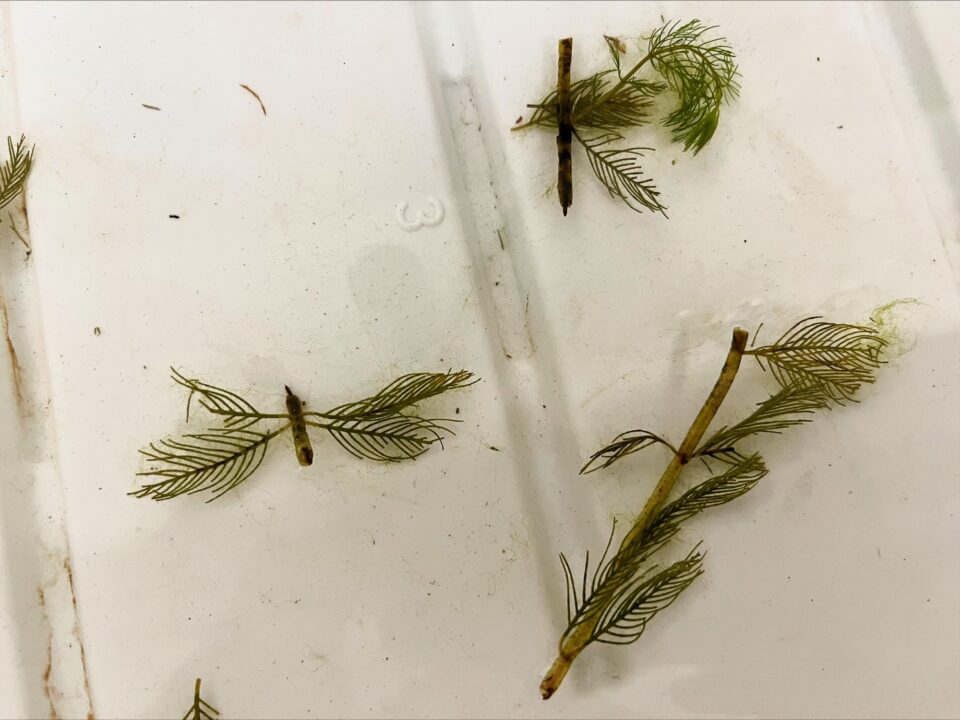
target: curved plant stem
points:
(574, 643)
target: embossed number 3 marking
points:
(419, 219)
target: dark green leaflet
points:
(14, 171)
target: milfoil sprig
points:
(689, 59)
(384, 427)
(817, 365)
(14, 170)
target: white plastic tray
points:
(432, 588)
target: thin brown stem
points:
(572, 644)
(564, 128)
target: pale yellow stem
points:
(573, 644)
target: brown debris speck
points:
(254, 93)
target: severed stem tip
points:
(740, 338)
(551, 681)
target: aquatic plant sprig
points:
(14, 170)
(698, 66)
(384, 427)
(818, 365)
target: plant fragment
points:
(14, 170)
(383, 427)
(687, 59)
(564, 125)
(818, 365)
(201, 709)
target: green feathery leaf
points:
(403, 392)
(215, 461)
(701, 69)
(620, 172)
(387, 438)
(635, 604)
(627, 605)
(790, 406)
(545, 111)
(375, 428)
(237, 412)
(717, 490)
(627, 105)
(624, 593)
(833, 357)
(14, 171)
(622, 445)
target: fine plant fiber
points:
(14, 170)
(689, 60)
(384, 427)
(622, 445)
(237, 412)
